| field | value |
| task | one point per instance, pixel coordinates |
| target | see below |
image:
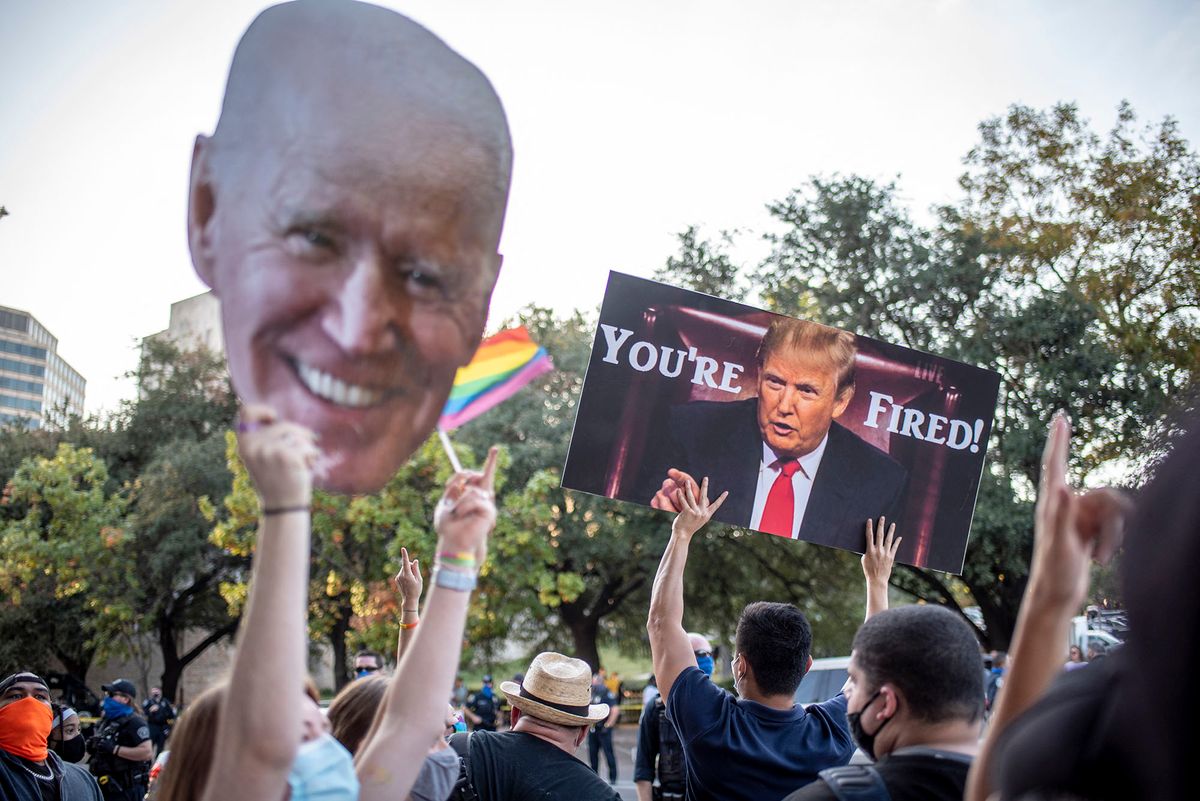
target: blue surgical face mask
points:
(114, 709)
(705, 663)
(362, 673)
(323, 771)
(460, 725)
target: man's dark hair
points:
(378, 657)
(775, 639)
(930, 654)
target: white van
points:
(823, 680)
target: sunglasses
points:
(699, 654)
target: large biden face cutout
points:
(346, 213)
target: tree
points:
(704, 266)
(61, 533)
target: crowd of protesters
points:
(913, 705)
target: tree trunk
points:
(77, 664)
(584, 632)
(337, 641)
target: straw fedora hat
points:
(556, 689)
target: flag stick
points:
(450, 454)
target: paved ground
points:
(624, 744)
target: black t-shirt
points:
(515, 766)
(908, 777)
(1072, 741)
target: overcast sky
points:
(631, 120)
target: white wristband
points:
(454, 580)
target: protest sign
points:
(811, 430)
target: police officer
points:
(659, 751)
(159, 714)
(601, 736)
(121, 749)
(481, 707)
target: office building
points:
(37, 387)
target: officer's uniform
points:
(121, 779)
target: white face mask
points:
(323, 771)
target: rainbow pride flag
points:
(504, 364)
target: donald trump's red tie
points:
(781, 502)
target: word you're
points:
(645, 356)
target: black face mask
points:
(865, 741)
(70, 750)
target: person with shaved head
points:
(347, 212)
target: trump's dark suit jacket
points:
(855, 481)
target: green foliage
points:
(704, 266)
(62, 534)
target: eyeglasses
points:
(367, 669)
(699, 654)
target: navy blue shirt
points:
(738, 749)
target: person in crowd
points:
(159, 713)
(29, 770)
(551, 714)
(481, 707)
(347, 212)
(650, 691)
(367, 663)
(120, 751)
(1075, 740)
(1075, 658)
(789, 467)
(659, 752)
(760, 745)
(66, 734)
(261, 748)
(185, 774)
(600, 736)
(353, 709)
(351, 718)
(995, 679)
(914, 709)
(1096, 651)
(615, 685)
(458, 695)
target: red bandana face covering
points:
(24, 727)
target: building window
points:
(21, 349)
(21, 403)
(22, 367)
(14, 321)
(19, 385)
